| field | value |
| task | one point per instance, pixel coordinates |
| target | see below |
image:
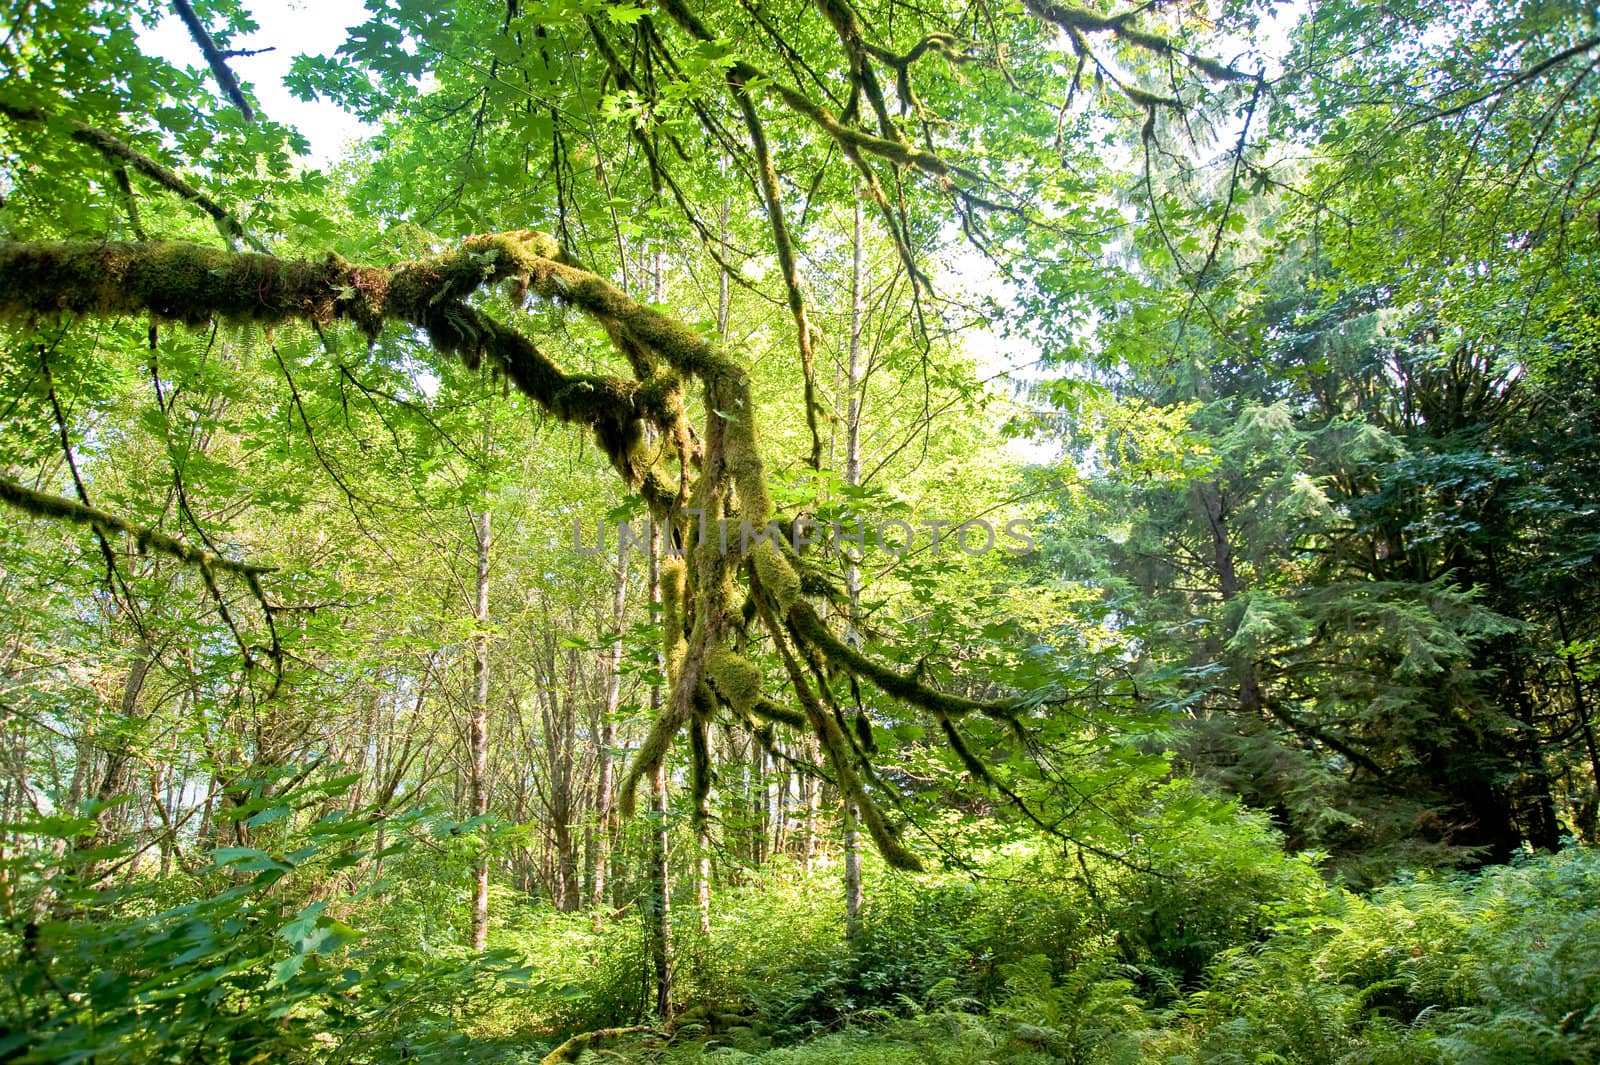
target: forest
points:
(802, 532)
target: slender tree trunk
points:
(560, 720)
(1580, 702)
(1229, 586)
(808, 824)
(702, 813)
(115, 779)
(853, 891)
(1540, 827)
(702, 838)
(758, 808)
(478, 784)
(780, 811)
(659, 891)
(722, 279)
(607, 740)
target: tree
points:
(691, 466)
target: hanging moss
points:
(777, 577)
(835, 745)
(903, 686)
(674, 587)
(736, 678)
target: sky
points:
(290, 28)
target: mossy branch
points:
(903, 686)
(193, 284)
(768, 710)
(767, 175)
(1080, 20)
(835, 744)
(60, 508)
(573, 1048)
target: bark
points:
(853, 893)
(477, 780)
(607, 740)
(214, 59)
(658, 907)
(852, 573)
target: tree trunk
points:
(477, 782)
(1580, 707)
(808, 824)
(853, 894)
(1229, 586)
(853, 891)
(606, 740)
(658, 913)
(114, 779)
(660, 893)
(702, 834)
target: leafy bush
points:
(247, 960)
(1217, 878)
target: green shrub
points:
(250, 960)
(1217, 879)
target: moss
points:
(59, 508)
(572, 1050)
(700, 771)
(836, 749)
(777, 577)
(674, 590)
(768, 710)
(904, 686)
(741, 456)
(736, 678)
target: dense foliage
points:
(1177, 427)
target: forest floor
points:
(1256, 962)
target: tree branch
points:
(120, 153)
(215, 58)
(59, 508)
